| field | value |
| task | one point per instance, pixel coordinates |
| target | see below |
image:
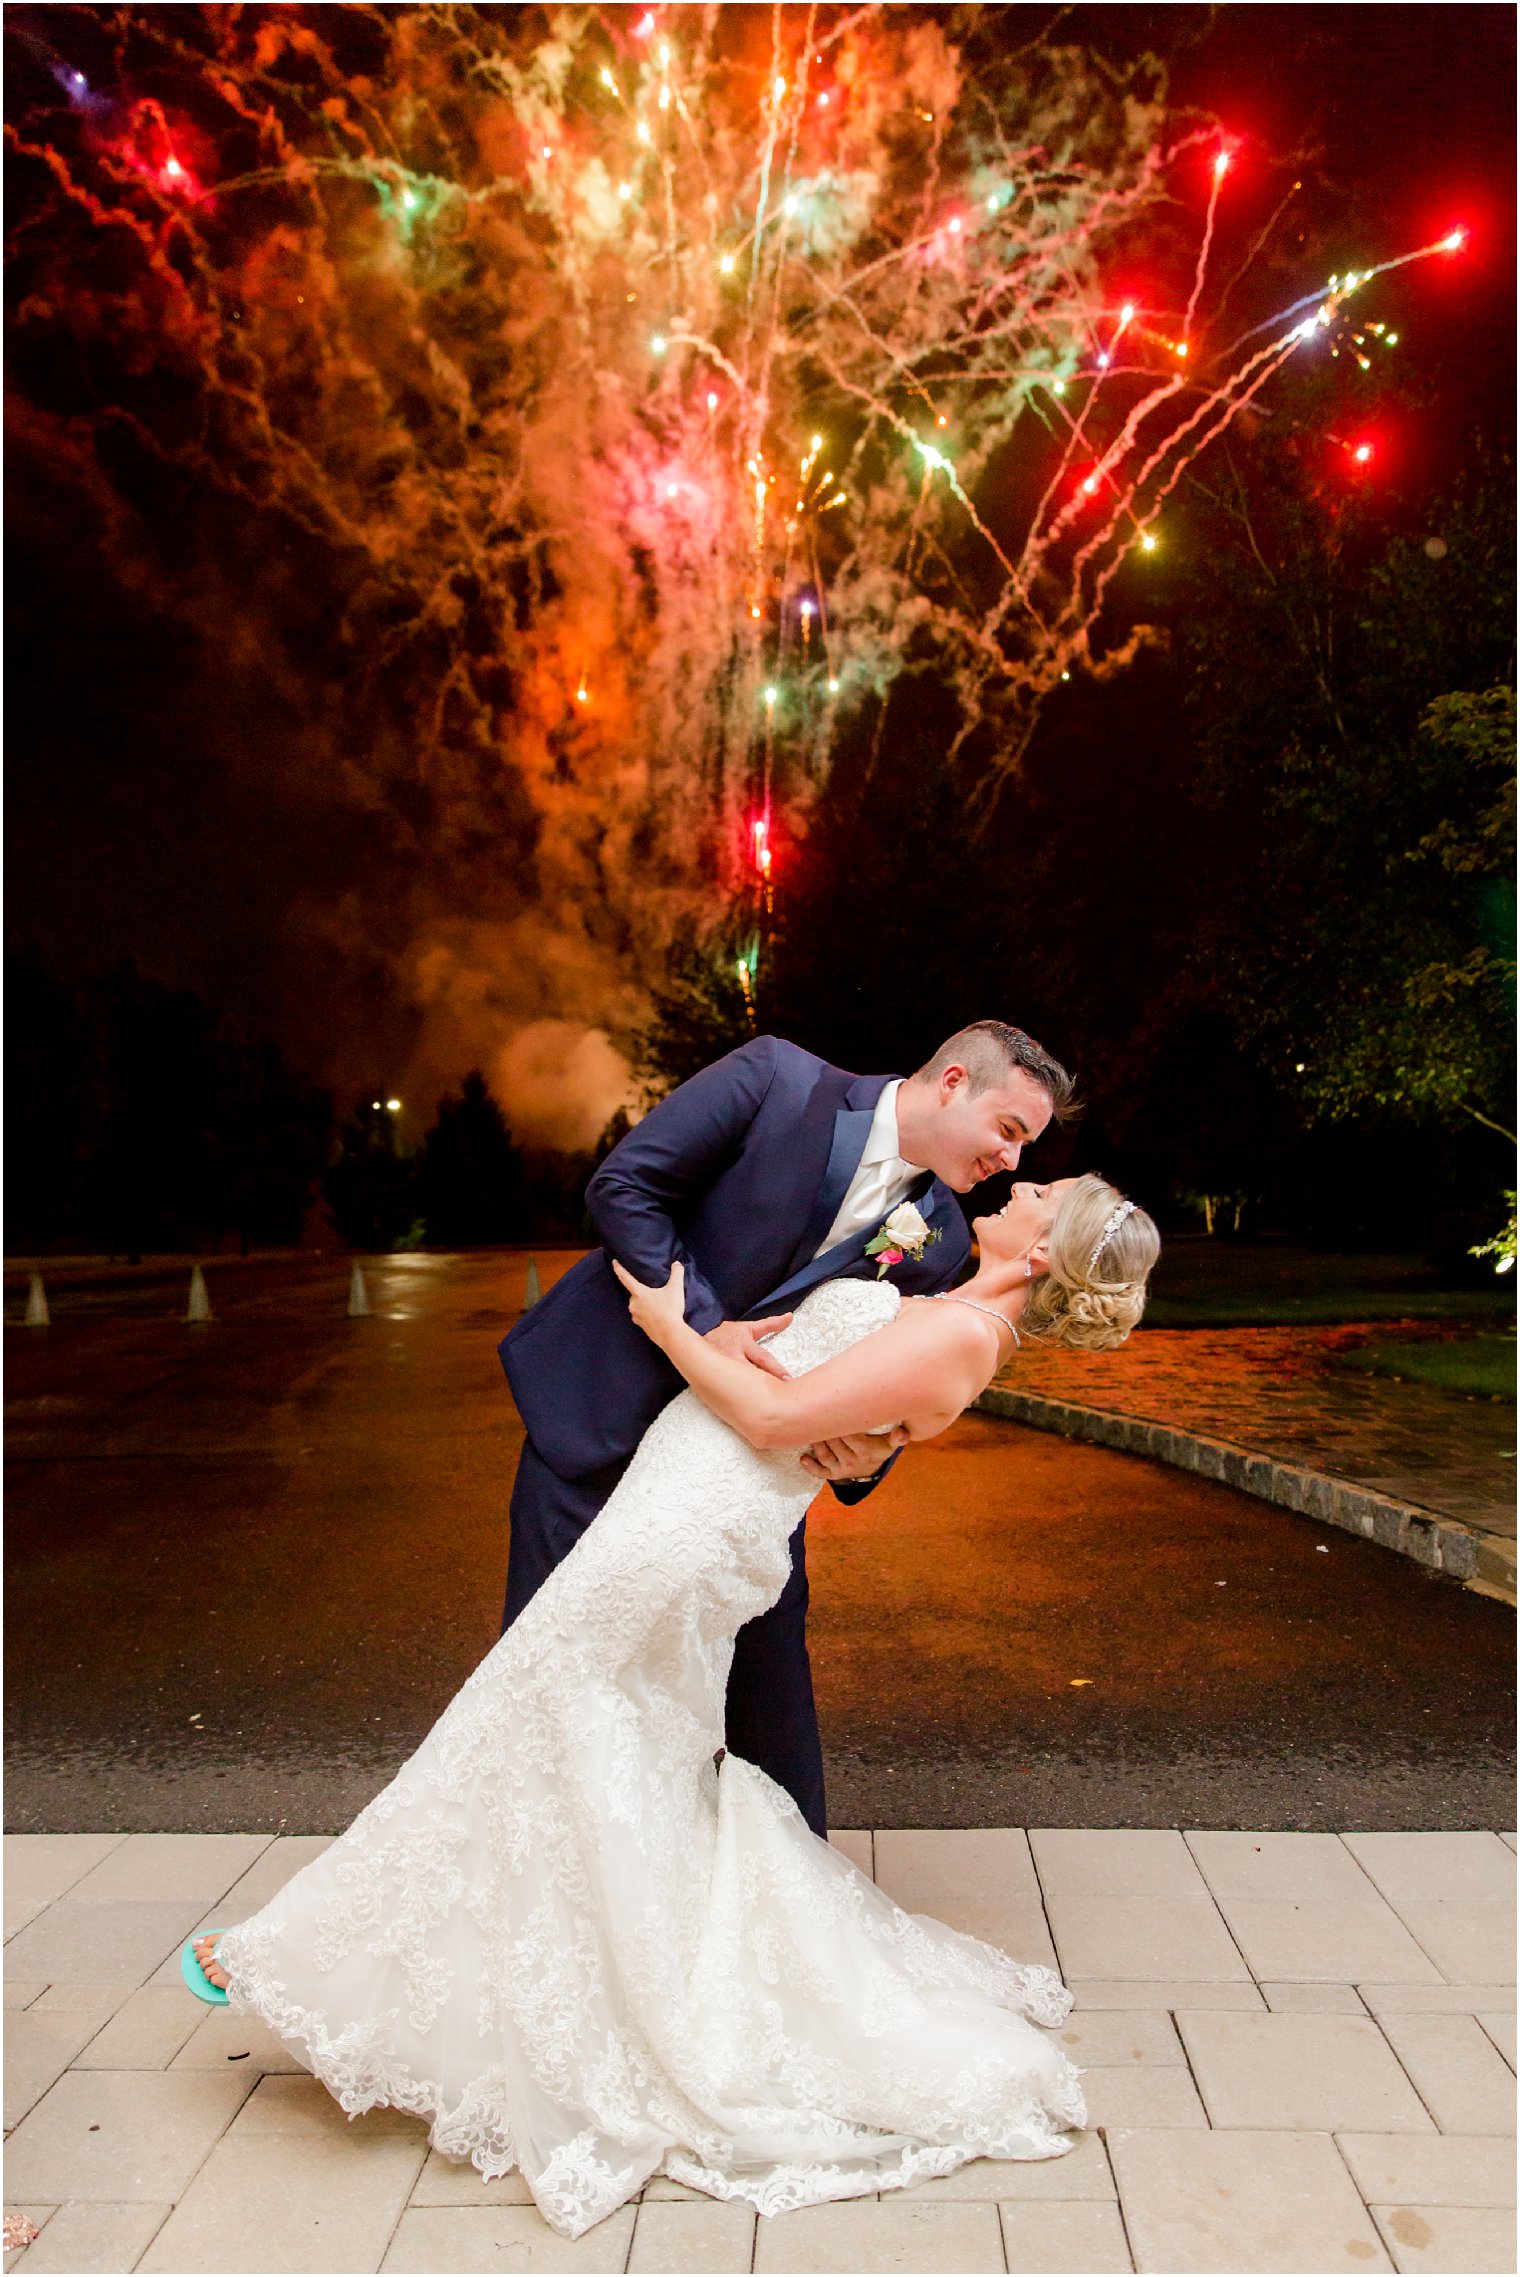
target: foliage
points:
(698, 1013)
(371, 1188)
(1347, 694)
(1501, 1247)
(134, 1120)
(470, 1184)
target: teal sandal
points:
(195, 1976)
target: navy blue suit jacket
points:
(739, 1173)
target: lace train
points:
(573, 1945)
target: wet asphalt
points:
(249, 1563)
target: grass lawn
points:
(1481, 1366)
(1201, 1283)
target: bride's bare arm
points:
(921, 1370)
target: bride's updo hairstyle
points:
(1092, 1307)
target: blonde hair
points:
(1092, 1307)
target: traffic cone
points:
(200, 1303)
(37, 1314)
(358, 1295)
(531, 1289)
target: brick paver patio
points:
(1278, 1393)
(1298, 2052)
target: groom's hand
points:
(861, 1455)
(736, 1340)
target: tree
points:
(138, 1121)
(470, 1185)
(1351, 694)
(371, 1189)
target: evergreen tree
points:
(471, 1175)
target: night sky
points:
(179, 787)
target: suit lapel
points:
(844, 1254)
(852, 1127)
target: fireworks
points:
(621, 339)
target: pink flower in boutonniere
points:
(903, 1234)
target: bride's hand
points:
(656, 1310)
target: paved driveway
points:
(249, 1563)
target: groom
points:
(767, 1173)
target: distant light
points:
(1147, 541)
(754, 612)
(580, 694)
(1182, 347)
(377, 1104)
(642, 131)
(823, 102)
(670, 489)
(659, 344)
(817, 443)
(173, 168)
(1392, 340)
(393, 1106)
(770, 697)
(664, 55)
(664, 98)
(712, 400)
(789, 205)
(953, 224)
(779, 89)
(1127, 313)
(609, 81)
(943, 421)
(1105, 359)
(1455, 242)
(807, 608)
(833, 687)
(409, 199)
(625, 191)
(1436, 548)
(77, 79)
(1090, 485)
(1065, 675)
(727, 264)
(1058, 387)
(1298, 1067)
(1362, 453)
(1221, 165)
(934, 457)
(643, 27)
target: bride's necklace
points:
(949, 1297)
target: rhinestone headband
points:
(1112, 1227)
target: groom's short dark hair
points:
(989, 1050)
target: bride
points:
(576, 1937)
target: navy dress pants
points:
(771, 1719)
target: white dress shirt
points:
(882, 1180)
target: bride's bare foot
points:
(211, 1968)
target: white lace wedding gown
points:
(573, 1945)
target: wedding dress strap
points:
(949, 1297)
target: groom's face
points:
(970, 1136)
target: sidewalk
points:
(1297, 2051)
(1421, 1470)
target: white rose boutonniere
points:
(903, 1234)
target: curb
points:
(1481, 1562)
